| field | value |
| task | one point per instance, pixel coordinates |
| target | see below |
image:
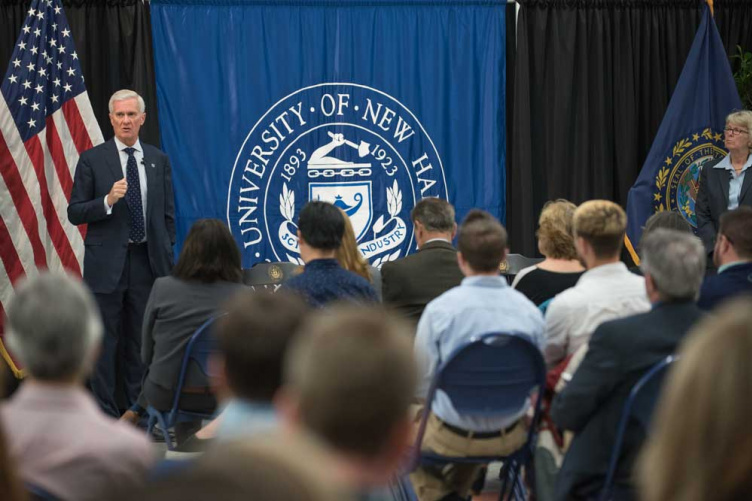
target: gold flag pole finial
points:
(710, 4)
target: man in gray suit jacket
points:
(410, 283)
(122, 190)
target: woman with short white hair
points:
(722, 187)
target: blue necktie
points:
(133, 199)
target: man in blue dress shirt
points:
(320, 229)
(482, 303)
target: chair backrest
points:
(492, 375)
(516, 262)
(200, 346)
(268, 275)
(36, 493)
(638, 408)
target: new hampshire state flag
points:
(690, 135)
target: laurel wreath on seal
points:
(662, 177)
(394, 206)
(287, 209)
(287, 203)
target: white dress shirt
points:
(139, 154)
(603, 293)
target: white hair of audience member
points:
(676, 261)
(124, 94)
(53, 326)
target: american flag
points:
(46, 121)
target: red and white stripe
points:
(36, 179)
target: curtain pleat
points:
(113, 42)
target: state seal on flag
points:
(678, 179)
(347, 144)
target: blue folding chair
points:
(198, 349)
(492, 375)
(638, 408)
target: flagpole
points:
(710, 4)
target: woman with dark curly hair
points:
(561, 269)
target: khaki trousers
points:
(431, 483)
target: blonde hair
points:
(349, 255)
(743, 118)
(701, 448)
(602, 224)
(555, 226)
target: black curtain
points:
(734, 20)
(592, 82)
(113, 42)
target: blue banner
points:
(370, 105)
(690, 135)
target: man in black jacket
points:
(619, 353)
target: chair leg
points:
(511, 481)
(150, 426)
(165, 431)
(503, 477)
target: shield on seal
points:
(352, 197)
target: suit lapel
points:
(723, 179)
(745, 184)
(113, 161)
(151, 173)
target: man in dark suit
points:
(733, 257)
(410, 283)
(122, 190)
(619, 353)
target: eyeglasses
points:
(734, 132)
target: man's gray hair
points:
(676, 261)
(53, 326)
(124, 94)
(435, 214)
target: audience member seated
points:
(58, 437)
(321, 227)
(207, 273)
(733, 257)
(619, 353)
(410, 283)
(561, 269)
(669, 220)
(10, 485)
(253, 339)
(606, 291)
(700, 447)
(247, 471)
(349, 381)
(481, 304)
(351, 259)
